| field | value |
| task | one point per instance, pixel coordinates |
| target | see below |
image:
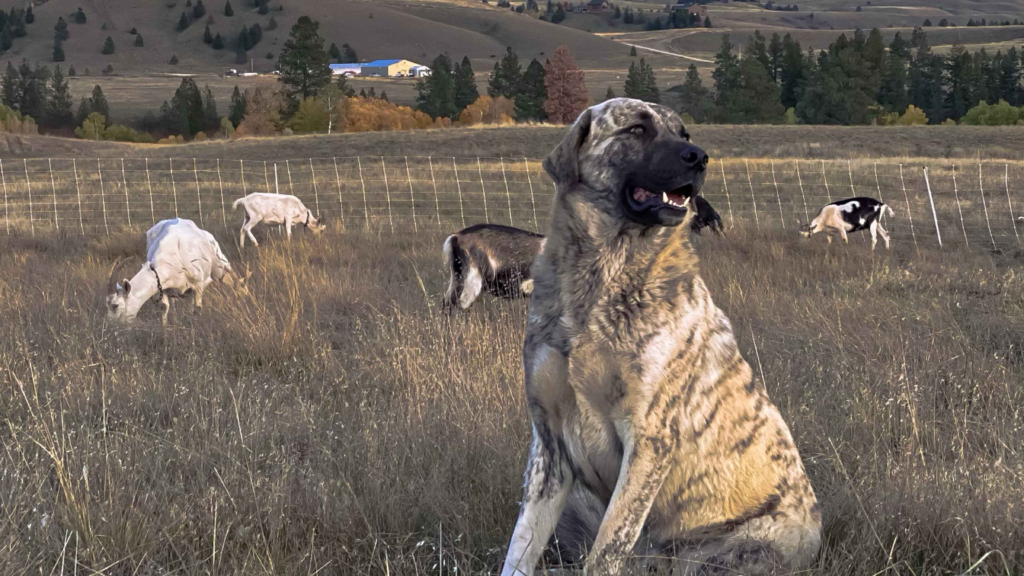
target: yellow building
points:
(388, 68)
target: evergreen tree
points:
(343, 88)
(694, 98)
(16, 20)
(173, 61)
(776, 54)
(334, 52)
(609, 95)
(60, 30)
(218, 42)
(10, 94)
(707, 22)
(566, 87)
(263, 8)
(139, 42)
(210, 117)
(108, 46)
(188, 105)
(348, 55)
(6, 38)
(640, 82)
(559, 16)
(198, 11)
(35, 91)
(29, 16)
(256, 34)
(793, 72)
(727, 78)
(892, 91)
(183, 22)
(1009, 78)
(963, 83)
(98, 102)
(58, 51)
(758, 49)
(237, 110)
(632, 51)
(532, 94)
(304, 64)
(384, 96)
(925, 83)
(436, 93)
(59, 113)
(465, 84)
(505, 78)
(84, 109)
(79, 16)
(207, 36)
(228, 10)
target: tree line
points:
(857, 80)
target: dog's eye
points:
(637, 130)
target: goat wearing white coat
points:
(180, 257)
(275, 209)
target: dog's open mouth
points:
(678, 198)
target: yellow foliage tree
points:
(374, 114)
(14, 122)
(92, 127)
(914, 116)
(487, 110)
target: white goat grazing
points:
(179, 257)
(275, 209)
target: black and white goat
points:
(704, 216)
(492, 258)
(851, 215)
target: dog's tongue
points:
(641, 195)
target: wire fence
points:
(936, 203)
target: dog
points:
(646, 420)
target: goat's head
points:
(317, 224)
(237, 281)
(117, 293)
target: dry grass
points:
(335, 421)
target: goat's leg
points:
(166, 302)
(846, 238)
(248, 230)
(874, 234)
(241, 231)
(198, 302)
(288, 229)
(885, 236)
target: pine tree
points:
(10, 94)
(436, 93)
(188, 104)
(84, 109)
(641, 83)
(963, 83)
(304, 64)
(243, 38)
(384, 96)
(237, 110)
(210, 117)
(505, 78)
(334, 52)
(263, 8)
(59, 112)
(207, 36)
(465, 84)
(757, 49)
(174, 60)
(218, 42)
(58, 51)
(108, 46)
(776, 52)
(29, 16)
(98, 102)
(60, 30)
(566, 87)
(139, 42)
(632, 51)
(349, 55)
(79, 16)
(183, 22)
(343, 88)
(16, 20)
(198, 11)
(72, 72)
(707, 22)
(694, 98)
(272, 24)
(532, 94)
(559, 14)
(6, 38)
(228, 10)
(727, 78)
(793, 72)
(609, 95)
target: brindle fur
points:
(650, 433)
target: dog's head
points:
(634, 159)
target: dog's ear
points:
(563, 163)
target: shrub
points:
(72, 71)
(227, 129)
(373, 114)
(487, 110)
(914, 116)
(108, 70)
(174, 60)
(13, 122)
(312, 116)
(999, 114)
(133, 31)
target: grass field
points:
(336, 422)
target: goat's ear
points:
(563, 163)
(126, 286)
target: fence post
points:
(387, 193)
(910, 214)
(223, 208)
(149, 183)
(103, 197)
(879, 186)
(174, 187)
(412, 197)
(291, 186)
(777, 195)
(31, 214)
(199, 196)
(824, 177)
(316, 194)
(341, 203)
(127, 202)
(1009, 202)
(849, 168)
(751, 185)
(533, 202)
(241, 172)
(266, 177)
(507, 193)
(78, 192)
(479, 170)
(53, 188)
(366, 209)
(800, 181)
(959, 209)
(935, 217)
(437, 203)
(984, 204)
(458, 186)
(7, 215)
(725, 185)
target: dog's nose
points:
(695, 156)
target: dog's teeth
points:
(687, 202)
(664, 197)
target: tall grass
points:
(335, 421)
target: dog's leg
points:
(549, 475)
(644, 469)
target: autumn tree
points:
(566, 87)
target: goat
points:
(704, 216)
(275, 209)
(492, 258)
(180, 257)
(850, 215)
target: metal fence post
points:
(777, 195)
(824, 177)
(507, 193)
(849, 168)
(387, 193)
(931, 201)
(879, 186)
(241, 172)
(366, 209)
(174, 187)
(316, 194)
(1009, 202)
(266, 177)
(458, 186)
(341, 203)
(910, 214)
(725, 185)
(479, 170)
(53, 188)
(31, 214)
(959, 209)
(7, 215)
(800, 181)
(103, 197)
(223, 208)
(127, 202)
(984, 204)
(199, 196)
(78, 192)
(149, 183)
(437, 203)
(412, 197)
(751, 185)
(533, 202)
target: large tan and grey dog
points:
(647, 422)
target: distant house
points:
(388, 68)
(691, 8)
(346, 69)
(597, 6)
